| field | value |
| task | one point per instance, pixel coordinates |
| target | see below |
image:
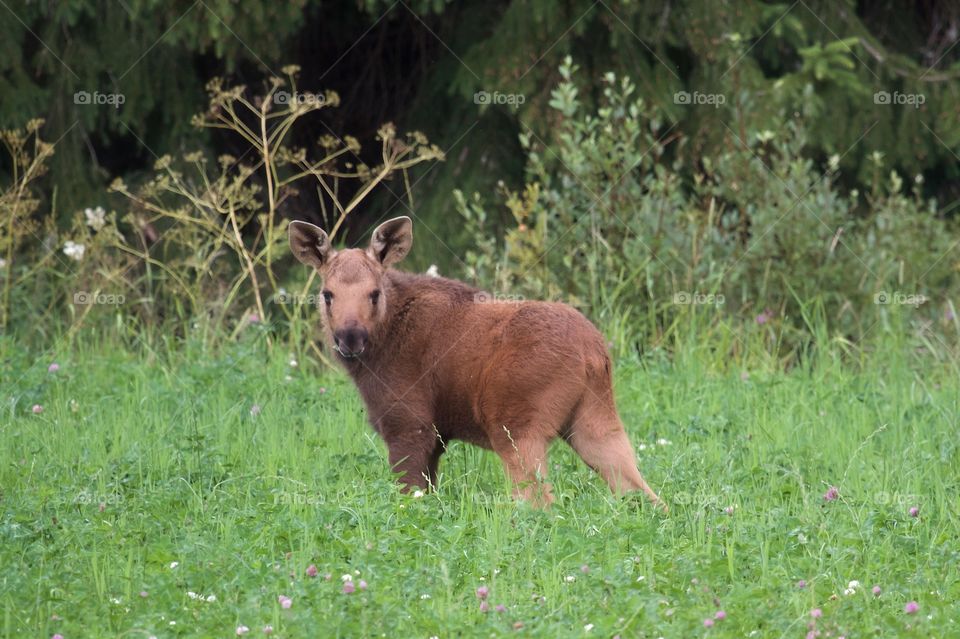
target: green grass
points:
(142, 461)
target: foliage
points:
(604, 222)
(201, 243)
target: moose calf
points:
(436, 360)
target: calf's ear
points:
(310, 244)
(391, 241)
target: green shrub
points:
(606, 222)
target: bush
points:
(608, 224)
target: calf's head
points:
(354, 299)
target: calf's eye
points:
(327, 297)
(375, 296)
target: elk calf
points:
(436, 360)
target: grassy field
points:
(188, 494)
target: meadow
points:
(160, 489)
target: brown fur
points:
(435, 360)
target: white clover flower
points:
(95, 218)
(74, 250)
(663, 442)
(432, 271)
(417, 494)
(346, 577)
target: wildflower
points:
(144, 594)
(584, 568)
(346, 577)
(500, 608)
(95, 218)
(293, 363)
(570, 579)
(720, 615)
(174, 564)
(876, 591)
(348, 588)
(242, 630)
(801, 584)
(286, 602)
(311, 571)
(57, 636)
(708, 623)
(211, 598)
(37, 409)
(482, 592)
(417, 494)
(254, 410)
(831, 494)
(484, 606)
(268, 629)
(73, 250)
(816, 613)
(914, 511)
(432, 271)
(588, 627)
(663, 442)
(911, 608)
(729, 510)
(764, 317)
(53, 368)
(362, 585)
(253, 318)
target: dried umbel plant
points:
(203, 211)
(28, 156)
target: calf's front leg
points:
(413, 446)
(416, 460)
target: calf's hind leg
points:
(524, 457)
(597, 435)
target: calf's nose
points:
(351, 341)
